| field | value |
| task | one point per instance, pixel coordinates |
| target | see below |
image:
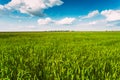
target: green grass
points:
(60, 56)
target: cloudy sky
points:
(45, 15)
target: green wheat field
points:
(60, 55)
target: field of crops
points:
(60, 56)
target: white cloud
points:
(31, 7)
(54, 2)
(45, 21)
(111, 21)
(1, 7)
(92, 14)
(111, 15)
(93, 23)
(65, 21)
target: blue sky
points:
(42, 15)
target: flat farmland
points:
(60, 55)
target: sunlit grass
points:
(60, 56)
